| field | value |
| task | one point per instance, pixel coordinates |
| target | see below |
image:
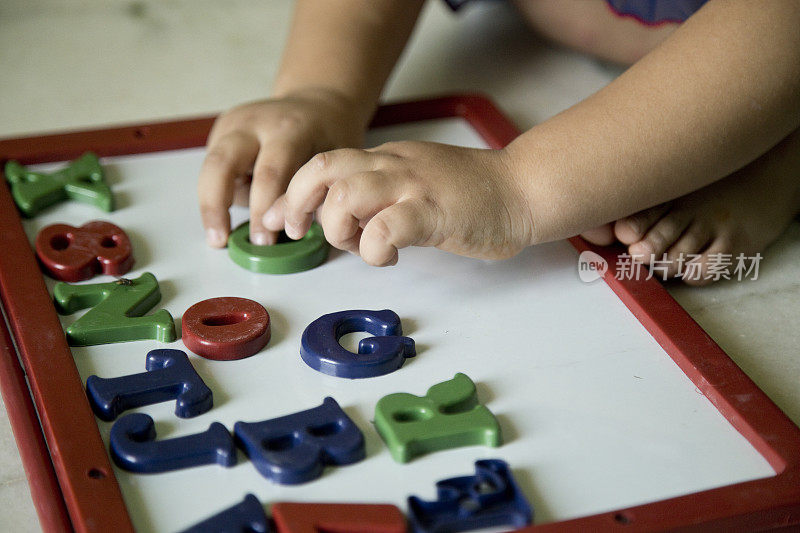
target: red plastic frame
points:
(73, 486)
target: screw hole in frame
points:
(623, 518)
(141, 133)
(96, 473)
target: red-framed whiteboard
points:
(72, 482)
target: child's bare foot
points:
(742, 213)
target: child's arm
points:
(336, 62)
(719, 92)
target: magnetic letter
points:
(285, 257)
(295, 448)
(379, 355)
(349, 517)
(83, 180)
(116, 311)
(225, 329)
(448, 416)
(72, 254)
(169, 376)
(490, 498)
(134, 447)
(246, 516)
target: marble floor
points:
(88, 63)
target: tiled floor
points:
(97, 62)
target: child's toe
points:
(687, 248)
(701, 273)
(660, 237)
(633, 228)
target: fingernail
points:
(293, 231)
(639, 251)
(215, 238)
(259, 239)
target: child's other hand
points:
(254, 149)
(374, 202)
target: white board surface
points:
(594, 414)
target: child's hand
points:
(374, 202)
(254, 149)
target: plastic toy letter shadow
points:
(116, 311)
(379, 355)
(82, 180)
(285, 257)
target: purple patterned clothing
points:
(649, 12)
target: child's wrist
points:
(345, 105)
(514, 170)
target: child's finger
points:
(273, 219)
(342, 230)
(309, 185)
(228, 157)
(406, 223)
(350, 203)
(276, 163)
(241, 190)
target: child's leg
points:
(742, 213)
(591, 27)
